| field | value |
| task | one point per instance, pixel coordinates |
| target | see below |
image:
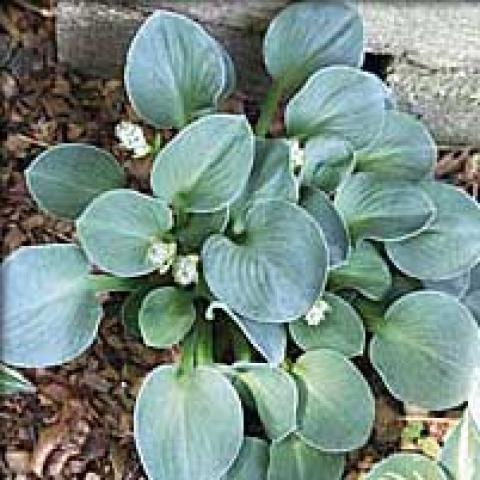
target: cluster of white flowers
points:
(297, 154)
(162, 254)
(132, 138)
(185, 270)
(317, 313)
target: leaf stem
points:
(373, 323)
(189, 344)
(372, 314)
(269, 109)
(108, 283)
(204, 350)
(241, 348)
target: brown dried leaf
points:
(49, 440)
(18, 461)
(14, 238)
(387, 427)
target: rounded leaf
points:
(386, 210)
(406, 466)
(174, 71)
(198, 227)
(319, 206)
(271, 177)
(328, 162)
(339, 102)
(131, 309)
(460, 454)
(64, 179)
(206, 166)
(166, 316)
(426, 349)
(187, 426)
(252, 461)
(275, 270)
(471, 297)
(275, 394)
(50, 315)
(455, 286)
(269, 339)
(118, 229)
(450, 245)
(341, 329)
(472, 301)
(307, 36)
(337, 408)
(474, 398)
(13, 382)
(364, 271)
(292, 458)
(403, 150)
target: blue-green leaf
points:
(49, 312)
(472, 296)
(365, 271)
(337, 409)
(307, 36)
(275, 395)
(339, 102)
(166, 316)
(64, 179)
(450, 245)
(460, 454)
(341, 329)
(455, 286)
(328, 162)
(271, 177)
(252, 461)
(426, 350)
(206, 166)
(197, 227)
(379, 209)
(403, 150)
(12, 382)
(293, 459)
(275, 270)
(406, 466)
(187, 425)
(268, 339)
(131, 309)
(119, 228)
(474, 398)
(319, 206)
(230, 83)
(175, 71)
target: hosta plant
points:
(275, 263)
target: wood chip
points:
(18, 460)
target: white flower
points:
(317, 313)
(131, 138)
(185, 270)
(162, 255)
(297, 154)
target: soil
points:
(79, 423)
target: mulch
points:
(79, 423)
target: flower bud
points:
(297, 154)
(185, 270)
(131, 138)
(317, 312)
(162, 254)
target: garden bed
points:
(79, 424)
